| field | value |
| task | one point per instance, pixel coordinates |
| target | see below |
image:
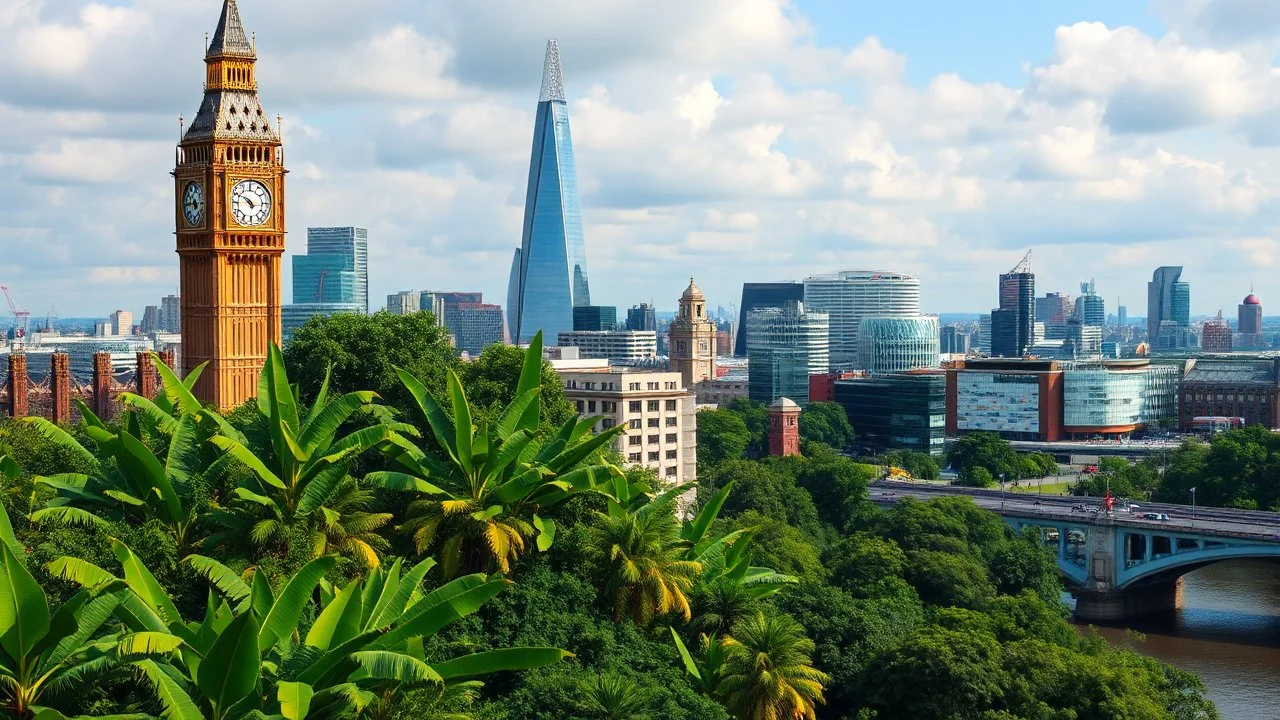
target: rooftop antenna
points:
(1023, 266)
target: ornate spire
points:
(229, 38)
(552, 77)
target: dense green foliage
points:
(451, 541)
(826, 423)
(981, 459)
(921, 466)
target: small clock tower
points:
(229, 182)
(693, 339)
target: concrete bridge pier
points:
(1115, 605)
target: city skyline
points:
(432, 142)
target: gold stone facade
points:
(230, 215)
(693, 339)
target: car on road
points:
(1077, 508)
(1153, 516)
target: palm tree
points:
(768, 673)
(610, 697)
(481, 503)
(643, 556)
(303, 481)
(721, 604)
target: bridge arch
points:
(1171, 567)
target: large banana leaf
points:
(229, 672)
(485, 663)
(24, 611)
(282, 620)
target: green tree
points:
(482, 503)
(361, 352)
(937, 673)
(722, 435)
(493, 380)
(645, 573)
(978, 477)
(611, 697)
(985, 450)
(769, 672)
(826, 423)
(756, 417)
(922, 466)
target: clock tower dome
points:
(229, 182)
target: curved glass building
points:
(849, 296)
(898, 344)
(549, 272)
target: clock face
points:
(250, 203)
(193, 204)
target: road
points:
(1252, 524)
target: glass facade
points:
(351, 243)
(1013, 323)
(758, 296)
(999, 402)
(295, 316)
(474, 326)
(324, 279)
(549, 273)
(784, 347)
(595, 318)
(890, 345)
(897, 412)
(1099, 398)
(850, 296)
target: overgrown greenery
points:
(458, 544)
(981, 459)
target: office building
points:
(121, 323)
(1013, 323)
(1017, 398)
(1090, 308)
(642, 317)
(405, 302)
(953, 340)
(1122, 315)
(1082, 340)
(170, 314)
(784, 347)
(549, 271)
(984, 334)
(325, 279)
(151, 319)
(351, 243)
(902, 411)
(849, 296)
(1169, 310)
(1054, 308)
(693, 339)
(1234, 388)
(897, 344)
(448, 297)
(1249, 322)
(659, 414)
(296, 315)
(1117, 398)
(475, 326)
(1215, 336)
(594, 318)
(756, 296)
(620, 347)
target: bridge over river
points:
(1118, 565)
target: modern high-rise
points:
(1091, 309)
(405, 302)
(475, 326)
(849, 296)
(642, 317)
(594, 318)
(549, 271)
(121, 323)
(785, 346)
(1013, 323)
(1169, 310)
(170, 314)
(984, 334)
(622, 347)
(1054, 308)
(151, 319)
(954, 340)
(351, 243)
(1249, 322)
(757, 296)
(1215, 336)
(897, 344)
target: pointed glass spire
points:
(230, 38)
(552, 76)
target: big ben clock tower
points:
(230, 217)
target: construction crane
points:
(1023, 266)
(21, 318)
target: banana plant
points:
(727, 558)
(707, 668)
(128, 480)
(176, 399)
(249, 656)
(306, 462)
(481, 502)
(45, 653)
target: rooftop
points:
(1260, 372)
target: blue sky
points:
(735, 140)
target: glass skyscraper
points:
(850, 296)
(897, 344)
(757, 296)
(549, 272)
(347, 242)
(1169, 310)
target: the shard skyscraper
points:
(549, 273)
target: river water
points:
(1226, 630)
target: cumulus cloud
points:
(721, 137)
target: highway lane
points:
(1217, 521)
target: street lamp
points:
(1193, 507)
(1003, 478)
